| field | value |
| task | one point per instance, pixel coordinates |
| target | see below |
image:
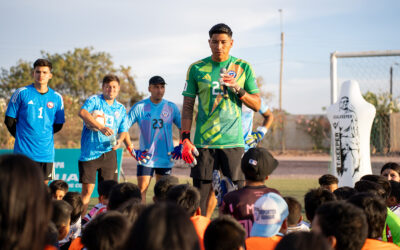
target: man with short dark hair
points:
(188, 198)
(104, 117)
(222, 83)
(382, 181)
(34, 114)
(121, 193)
(343, 193)
(61, 217)
(377, 185)
(343, 224)
(257, 164)
(295, 219)
(106, 231)
(375, 210)
(162, 186)
(224, 233)
(329, 182)
(314, 198)
(155, 117)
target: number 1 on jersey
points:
(40, 113)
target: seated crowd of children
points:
(366, 216)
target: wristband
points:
(241, 92)
(262, 129)
(185, 135)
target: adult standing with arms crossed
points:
(98, 141)
(34, 114)
(222, 83)
(155, 117)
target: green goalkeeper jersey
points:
(218, 122)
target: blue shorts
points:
(147, 171)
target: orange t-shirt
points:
(371, 244)
(200, 224)
(262, 243)
(76, 244)
(50, 247)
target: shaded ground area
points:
(289, 166)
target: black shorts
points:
(148, 171)
(105, 165)
(47, 168)
(226, 159)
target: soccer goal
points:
(378, 74)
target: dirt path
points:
(289, 166)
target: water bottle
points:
(113, 140)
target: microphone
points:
(224, 88)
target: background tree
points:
(264, 93)
(380, 131)
(76, 76)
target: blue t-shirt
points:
(35, 113)
(247, 120)
(155, 123)
(94, 143)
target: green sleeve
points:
(191, 87)
(393, 222)
(250, 84)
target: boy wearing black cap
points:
(155, 117)
(257, 164)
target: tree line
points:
(77, 75)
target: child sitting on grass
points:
(75, 200)
(58, 189)
(61, 217)
(104, 190)
(295, 219)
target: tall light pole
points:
(391, 79)
(283, 144)
(281, 70)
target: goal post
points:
(334, 65)
(378, 75)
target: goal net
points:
(378, 74)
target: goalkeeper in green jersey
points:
(222, 83)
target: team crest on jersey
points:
(50, 105)
(116, 114)
(232, 73)
(165, 114)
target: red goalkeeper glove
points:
(189, 151)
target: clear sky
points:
(165, 37)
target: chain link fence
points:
(379, 80)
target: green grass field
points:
(287, 187)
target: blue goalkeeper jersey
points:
(247, 120)
(35, 113)
(94, 143)
(155, 123)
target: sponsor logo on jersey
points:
(207, 77)
(232, 73)
(148, 115)
(30, 102)
(50, 105)
(116, 114)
